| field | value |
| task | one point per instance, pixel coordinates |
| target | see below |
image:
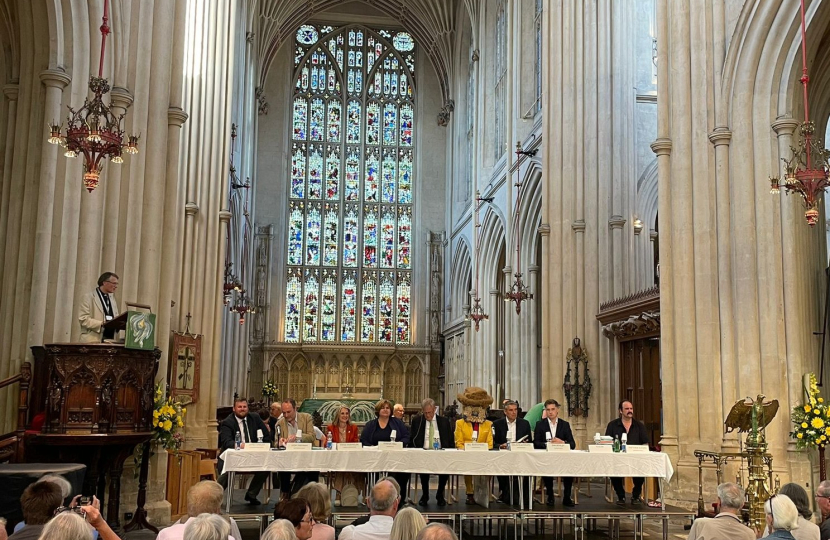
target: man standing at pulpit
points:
(97, 308)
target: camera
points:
(84, 501)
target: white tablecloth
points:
(414, 460)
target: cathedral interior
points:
(349, 200)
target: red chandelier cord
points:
(805, 78)
(105, 30)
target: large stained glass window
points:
(351, 191)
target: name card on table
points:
(389, 445)
(521, 447)
(295, 446)
(476, 446)
(257, 447)
(600, 448)
(349, 446)
(558, 447)
(636, 449)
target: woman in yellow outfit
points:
(473, 426)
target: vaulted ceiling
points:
(431, 22)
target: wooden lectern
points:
(97, 405)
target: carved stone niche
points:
(632, 317)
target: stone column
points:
(7, 369)
(55, 81)
(529, 373)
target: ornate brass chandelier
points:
(477, 313)
(519, 292)
(806, 172)
(95, 130)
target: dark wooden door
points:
(640, 382)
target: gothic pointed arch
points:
(461, 279)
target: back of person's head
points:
(391, 481)
(207, 527)
(293, 510)
(408, 523)
(63, 483)
(783, 511)
(204, 498)
(319, 500)
(731, 496)
(280, 529)
(382, 498)
(824, 489)
(436, 531)
(66, 526)
(39, 502)
(798, 495)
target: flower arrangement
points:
(811, 420)
(168, 418)
(269, 389)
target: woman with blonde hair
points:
(318, 499)
(343, 431)
(407, 524)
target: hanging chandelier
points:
(95, 130)
(519, 292)
(477, 313)
(806, 172)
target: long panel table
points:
(449, 461)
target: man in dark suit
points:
(554, 429)
(427, 428)
(635, 434)
(510, 428)
(247, 425)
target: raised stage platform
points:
(591, 518)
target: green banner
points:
(141, 330)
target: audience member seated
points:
(823, 503)
(407, 524)
(437, 531)
(280, 529)
(202, 498)
(319, 500)
(66, 491)
(781, 517)
(365, 518)
(70, 525)
(807, 530)
(207, 527)
(727, 524)
(298, 512)
(383, 505)
(39, 502)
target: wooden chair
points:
(208, 463)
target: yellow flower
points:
(817, 423)
(167, 425)
(804, 425)
(181, 424)
(821, 400)
(816, 412)
(807, 408)
(155, 414)
(823, 437)
(184, 411)
(160, 424)
(800, 435)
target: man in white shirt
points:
(511, 428)
(202, 498)
(383, 505)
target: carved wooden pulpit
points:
(96, 402)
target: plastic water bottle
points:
(624, 442)
(237, 440)
(393, 435)
(436, 443)
(328, 440)
(597, 438)
(616, 445)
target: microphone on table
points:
(522, 439)
(278, 437)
